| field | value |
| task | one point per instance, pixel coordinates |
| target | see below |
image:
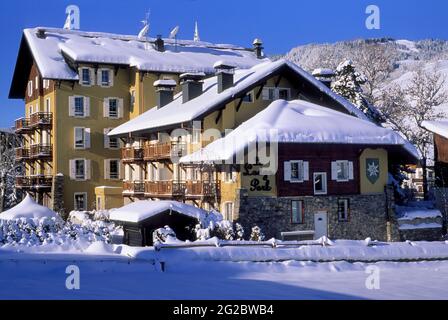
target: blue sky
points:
(281, 24)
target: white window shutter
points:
(88, 169)
(72, 169)
(87, 106)
(120, 108)
(106, 108)
(106, 138)
(287, 170)
(80, 76)
(334, 170)
(107, 169)
(351, 174)
(111, 78)
(120, 170)
(71, 106)
(306, 171)
(92, 76)
(265, 94)
(99, 77)
(87, 138)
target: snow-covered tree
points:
(406, 108)
(9, 169)
(239, 232)
(257, 234)
(348, 84)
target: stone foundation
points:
(368, 215)
(57, 195)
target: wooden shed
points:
(140, 219)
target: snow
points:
(168, 83)
(29, 209)
(178, 112)
(298, 122)
(409, 45)
(323, 72)
(410, 213)
(142, 210)
(439, 127)
(420, 226)
(89, 47)
(121, 272)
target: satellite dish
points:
(174, 32)
(144, 32)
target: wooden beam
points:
(260, 91)
(116, 68)
(218, 117)
(277, 83)
(239, 104)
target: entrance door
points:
(320, 224)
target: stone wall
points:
(368, 215)
(57, 195)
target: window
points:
(112, 167)
(113, 108)
(195, 174)
(268, 94)
(343, 209)
(85, 77)
(30, 88)
(80, 169)
(48, 105)
(296, 171)
(320, 183)
(46, 84)
(283, 94)
(228, 211)
(228, 174)
(37, 82)
(297, 212)
(196, 136)
(79, 138)
(249, 98)
(110, 142)
(79, 107)
(80, 201)
(342, 170)
(105, 78)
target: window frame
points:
(251, 99)
(302, 213)
(117, 176)
(30, 88)
(75, 113)
(117, 106)
(75, 145)
(102, 73)
(347, 164)
(84, 176)
(325, 183)
(84, 194)
(347, 210)
(300, 171)
(83, 82)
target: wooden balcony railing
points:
(41, 119)
(129, 155)
(22, 154)
(41, 151)
(37, 182)
(22, 125)
(134, 187)
(162, 151)
(164, 189)
(196, 189)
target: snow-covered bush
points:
(202, 234)
(223, 230)
(257, 234)
(163, 235)
(239, 232)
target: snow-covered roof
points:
(105, 48)
(178, 112)
(298, 122)
(28, 208)
(141, 210)
(439, 127)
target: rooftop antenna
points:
(196, 33)
(143, 34)
(173, 35)
(68, 22)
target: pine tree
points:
(348, 84)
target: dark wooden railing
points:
(40, 151)
(34, 182)
(22, 125)
(41, 119)
(22, 153)
(164, 188)
(131, 154)
(202, 189)
(135, 187)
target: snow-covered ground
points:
(121, 272)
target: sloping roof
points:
(51, 51)
(298, 122)
(178, 112)
(439, 127)
(141, 210)
(28, 208)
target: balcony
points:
(163, 151)
(22, 154)
(129, 155)
(202, 189)
(41, 120)
(41, 151)
(164, 189)
(37, 182)
(134, 187)
(22, 126)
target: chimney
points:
(164, 91)
(191, 85)
(224, 72)
(324, 75)
(160, 44)
(258, 48)
(40, 33)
